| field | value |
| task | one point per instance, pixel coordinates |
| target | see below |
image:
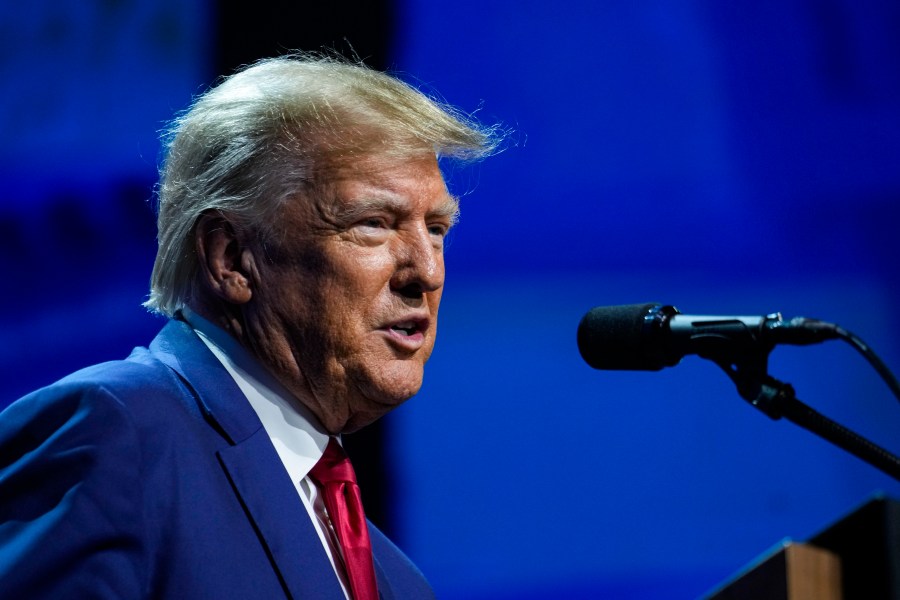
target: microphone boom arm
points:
(777, 399)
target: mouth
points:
(408, 334)
(407, 328)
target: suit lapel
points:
(218, 397)
(252, 465)
(384, 589)
(271, 502)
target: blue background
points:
(730, 158)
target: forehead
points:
(399, 185)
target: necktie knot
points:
(334, 466)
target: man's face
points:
(345, 307)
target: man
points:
(302, 217)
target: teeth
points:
(407, 328)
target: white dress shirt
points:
(296, 434)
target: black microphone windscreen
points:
(612, 337)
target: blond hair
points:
(255, 140)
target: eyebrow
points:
(449, 208)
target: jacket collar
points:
(252, 466)
(220, 400)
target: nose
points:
(419, 264)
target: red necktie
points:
(335, 474)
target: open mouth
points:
(408, 328)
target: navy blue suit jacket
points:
(152, 477)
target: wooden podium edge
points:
(789, 571)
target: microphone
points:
(648, 337)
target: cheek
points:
(371, 267)
(434, 300)
(359, 286)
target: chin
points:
(391, 383)
(383, 391)
(383, 399)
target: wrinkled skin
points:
(342, 306)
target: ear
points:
(225, 264)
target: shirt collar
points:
(295, 432)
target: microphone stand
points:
(777, 399)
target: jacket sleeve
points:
(71, 494)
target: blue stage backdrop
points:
(731, 158)
(725, 158)
(85, 89)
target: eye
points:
(438, 229)
(374, 225)
(373, 222)
(372, 229)
(438, 232)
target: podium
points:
(858, 557)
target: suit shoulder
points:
(130, 393)
(139, 373)
(73, 465)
